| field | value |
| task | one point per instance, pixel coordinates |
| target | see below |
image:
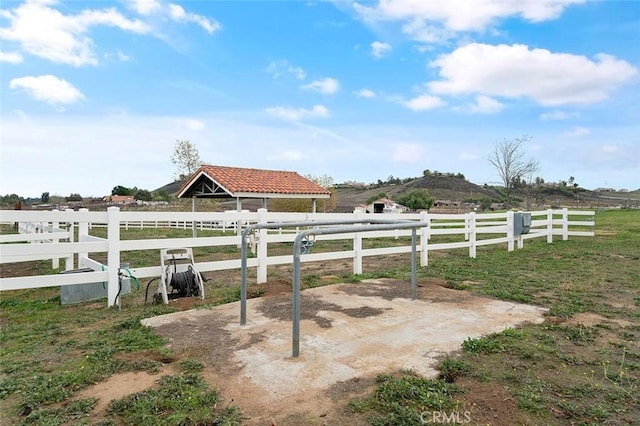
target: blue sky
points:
(95, 94)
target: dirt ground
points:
(350, 333)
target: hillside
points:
(441, 187)
(452, 189)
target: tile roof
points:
(244, 180)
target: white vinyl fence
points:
(49, 235)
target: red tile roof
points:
(243, 180)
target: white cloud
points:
(327, 86)
(48, 88)
(577, 131)
(557, 115)
(365, 93)
(297, 72)
(296, 114)
(424, 32)
(45, 32)
(424, 102)
(431, 21)
(191, 124)
(515, 71)
(278, 68)
(178, 14)
(485, 105)
(11, 57)
(146, 7)
(618, 157)
(379, 49)
(407, 153)
(119, 55)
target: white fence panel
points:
(43, 235)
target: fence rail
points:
(49, 235)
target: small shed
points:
(242, 183)
(385, 205)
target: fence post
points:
(467, 225)
(83, 229)
(424, 240)
(68, 261)
(113, 255)
(471, 219)
(55, 262)
(510, 230)
(550, 226)
(262, 247)
(357, 249)
(565, 224)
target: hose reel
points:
(179, 276)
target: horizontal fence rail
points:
(66, 235)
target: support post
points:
(467, 226)
(550, 226)
(295, 351)
(471, 217)
(55, 262)
(83, 229)
(113, 255)
(243, 277)
(68, 261)
(262, 247)
(510, 237)
(357, 250)
(414, 283)
(424, 239)
(565, 224)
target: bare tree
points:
(508, 159)
(186, 158)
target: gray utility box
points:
(78, 293)
(521, 223)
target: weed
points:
(181, 399)
(452, 368)
(400, 398)
(486, 344)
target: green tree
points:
(121, 190)
(416, 199)
(508, 160)
(73, 197)
(143, 195)
(186, 158)
(45, 197)
(161, 195)
(11, 199)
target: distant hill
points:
(171, 188)
(447, 188)
(441, 187)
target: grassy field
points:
(581, 366)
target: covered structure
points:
(225, 182)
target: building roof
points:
(120, 199)
(225, 182)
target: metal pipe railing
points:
(297, 244)
(278, 225)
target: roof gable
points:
(225, 182)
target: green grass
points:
(181, 400)
(564, 371)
